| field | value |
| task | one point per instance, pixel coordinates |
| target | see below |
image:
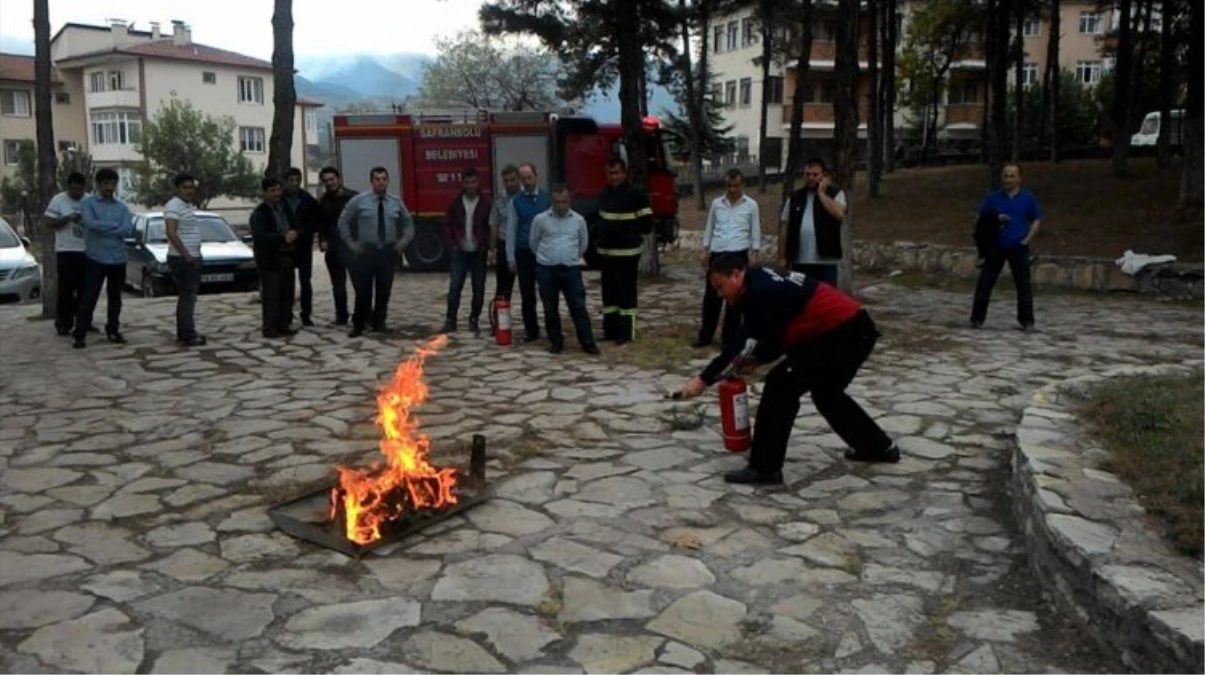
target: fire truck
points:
(425, 153)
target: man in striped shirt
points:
(733, 226)
(184, 257)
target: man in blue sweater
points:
(107, 223)
(1019, 216)
(524, 207)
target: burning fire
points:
(367, 499)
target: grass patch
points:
(659, 348)
(914, 339)
(1152, 428)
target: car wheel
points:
(427, 251)
(151, 288)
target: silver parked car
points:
(227, 262)
(20, 274)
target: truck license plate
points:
(216, 278)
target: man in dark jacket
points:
(466, 228)
(274, 240)
(305, 217)
(330, 207)
(810, 226)
(824, 335)
(624, 218)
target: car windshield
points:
(1150, 125)
(8, 238)
(213, 230)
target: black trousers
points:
(525, 266)
(1018, 263)
(372, 274)
(619, 291)
(558, 280)
(97, 274)
(712, 304)
(823, 365)
(305, 281)
(72, 267)
(504, 279)
(276, 289)
(336, 265)
(466, 264)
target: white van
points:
(1148, 134)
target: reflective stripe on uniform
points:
(610, 310)
(631, 314)
(620, 251)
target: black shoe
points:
(79, 343)
(890, 456)
(621, 341)
(115, 337)
(592, 349)
(700, 343)
(1027, 328)
(383, 330)
(355, 332)
(194, 341)
(340, 322)
(286, 331)
(62, 331)
(556, 348)
(271, 335)
(93, 329)
(448, 327)
(307, 322)
(531, 338)
(976, 325)
(751, 476)
(474, 327)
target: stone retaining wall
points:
(1177, 280)
(1089, 544)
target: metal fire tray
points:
(306, 517)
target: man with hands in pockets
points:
(733, 226)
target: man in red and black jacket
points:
(466, 228)
(824, 337)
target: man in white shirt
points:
(63, 216)
(733, 226)
(184, 257)
(558, 239)
(810, 225)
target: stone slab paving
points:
(134, 481)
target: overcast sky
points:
(321, 27)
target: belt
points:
(620, 251)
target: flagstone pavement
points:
(134, 482)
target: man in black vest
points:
(810, 225)
(305, 215)
(331, 205)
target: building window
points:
(251, 139)
(11, 150)
(742, 148)
(115, 80)
(717, 92)
(251, 90)
(718, 42)
(746, 92)
(749, 36)
(125, 182)
(1090, 23)
(209, 77)
(730, 93)
(64, 146)
(773, 89)
(734, 35)
(15, 103)
(1087, 72)
(62, 97)
(1029, 74)
(964, 93)
(116, 128)
(1031, 28)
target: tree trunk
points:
(1122, 81)
(795, 135)
(766, 9)
(890, 40)
(999, 17)
(699, 100)
(1019, 76)
(1053, 78)
(46, 152)
(874, 124)
(694, 104)
(845, 128)
(1192, 177)
(1167, 46)
(631, 74)
(284, 98)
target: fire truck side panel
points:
(586, 165)
(515, 148)
(357, 156)
(441, 152)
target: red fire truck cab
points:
(425, 154)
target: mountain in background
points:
(12, 45)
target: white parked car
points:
(20, 274)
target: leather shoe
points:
(556, 349)
(194, 341)
(592, 350)
(355, 332)
(115, 337)
(700, 343)
(890, 456)
(751, 476)
(307, 322)
(286, 331)
(448, 327)
(531, 338)
(79, 343)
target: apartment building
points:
(115, 78)
(1082, 29)
(17, 105)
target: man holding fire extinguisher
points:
(822, 334)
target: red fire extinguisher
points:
(734, 414)
(500, 320)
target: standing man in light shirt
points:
(809, 231)
(524, 207)
(504, 278)
(559, 238)
(733, 226)
(107, 223)
(466, 228)
(184, 257)
(376, 227)
(63, 216)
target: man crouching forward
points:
(824, 337)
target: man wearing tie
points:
(376, 227)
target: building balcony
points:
(820, 114)
(121, 98)
(114, 152)
(964, 114)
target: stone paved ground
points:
(134, 482)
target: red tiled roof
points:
(309, 102)
(167, 49)
(20, 68)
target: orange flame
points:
(370, 498)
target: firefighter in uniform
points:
(824, 337)
(624, 219)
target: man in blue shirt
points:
(1019, 216)
(107, 224)
(529, 202)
